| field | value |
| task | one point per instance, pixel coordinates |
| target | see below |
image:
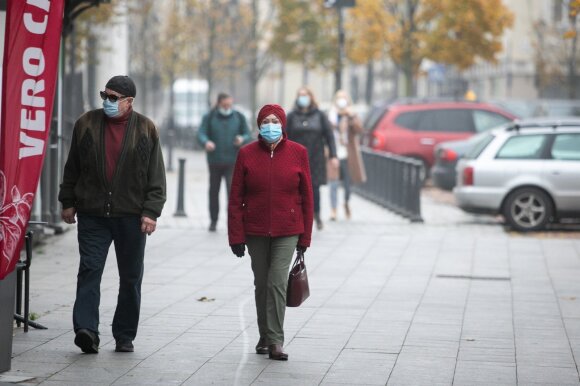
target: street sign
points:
(339, 3)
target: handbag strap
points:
(299, 260)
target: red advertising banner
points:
(30, 69)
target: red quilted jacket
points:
(271, 193)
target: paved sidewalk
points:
(455, 300)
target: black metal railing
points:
(394, 182)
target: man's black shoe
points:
(87, 340)
(212, 227)
(124, 347)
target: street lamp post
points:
(340, 52)
(339, 5)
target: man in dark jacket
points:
(114, 182)
(223, 130)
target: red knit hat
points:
(272, 109)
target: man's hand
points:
(239, 140)
(301, 248)
(209, 146)
(68, 215)
(148, 225)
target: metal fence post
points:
(393, 182)
(180, 212)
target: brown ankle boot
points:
(276, 353)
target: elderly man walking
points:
(114, 183)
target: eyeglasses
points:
(111, 97)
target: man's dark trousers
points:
(95, 235)
(216, 173)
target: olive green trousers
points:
(271, 258)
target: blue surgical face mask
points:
(271, 132)
(225, 112)
(303, 101)
(111, 108)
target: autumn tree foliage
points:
(556, 50)
(456, 33)
(573, 8)
(304, 32)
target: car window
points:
(373, 117)
(566, 147)
(523, 147)
(409, 120)
(485, 120)
(477, 144)
(447, 120)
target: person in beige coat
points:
(347, 128)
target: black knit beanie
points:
(123, 85)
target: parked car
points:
(413, 128)
(529, 172)
(448, 153)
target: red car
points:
(413, 129)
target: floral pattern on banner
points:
(14, 212)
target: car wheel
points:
(528, 209)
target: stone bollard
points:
(180, 212)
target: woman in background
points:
(347, 128)
(310, 127)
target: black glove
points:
(300, 248)
(238, 249)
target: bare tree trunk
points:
(254, 62)
(232, 18)
(210, 52)
(408, 75)
(370, 83)
(145, 61)
(282, 89)
(408, 60)
(340, 53)
(572, 64)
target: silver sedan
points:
(528, 171)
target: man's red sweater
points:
(271, 193)
(115, 128)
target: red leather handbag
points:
(298, 289)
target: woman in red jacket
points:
(271, 211)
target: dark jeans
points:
(216, 173)
(95, 235)
(316, 198)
